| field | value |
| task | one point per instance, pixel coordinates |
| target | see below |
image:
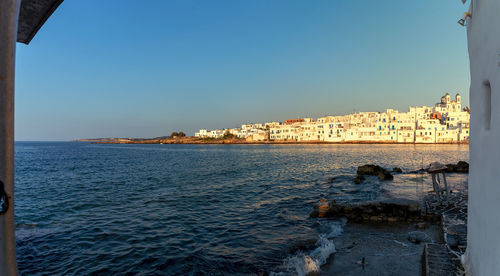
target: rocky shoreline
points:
(209, 141)
(383, 174)
(440, 227)
(388, 210)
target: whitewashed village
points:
(446, 122)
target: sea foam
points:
(303, 263)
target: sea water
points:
(196, 209)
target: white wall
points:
(483, 30)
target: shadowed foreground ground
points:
(386, 249)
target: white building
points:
(446, 122)
(236, 132)
(308, 132)
(284, 132)
(202, 133)
(483, 242)
(334, 132)
(259, 136)
(216, 133)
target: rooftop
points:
(32, 15)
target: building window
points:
(487, 105)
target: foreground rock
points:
(419, 171)
(397, 170)
(358, 179)
(460, 167)
(388, 211)
(418, 237)
(375, 170)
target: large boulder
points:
(375, 170)
(418, 237)
(358, 179)
(385, 175)
(369, 169)
(460, 167)
(419, 171)
(397, 170)
(450, 168)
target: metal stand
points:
(435, 169)
(442, 193)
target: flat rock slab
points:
(386, 211)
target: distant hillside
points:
(108, 140)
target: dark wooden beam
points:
(32, 16)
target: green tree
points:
(228, 135)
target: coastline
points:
(196, 141)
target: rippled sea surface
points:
(194, 209)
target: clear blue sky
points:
(147, 68)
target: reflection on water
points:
(177, 209)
